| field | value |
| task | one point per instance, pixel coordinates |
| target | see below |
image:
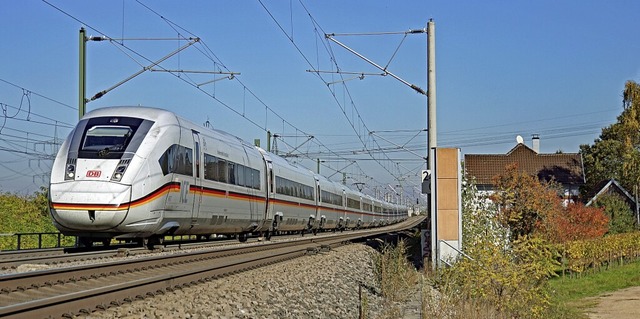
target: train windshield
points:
(102, 137)
(109, 137)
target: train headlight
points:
(119, 171)
(70, 172)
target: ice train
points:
(142, 173)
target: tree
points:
(619, 213)
(523, 201)
(480, 218)
(508, 276)
(575, 222)
(616, 154)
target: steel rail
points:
(83, 289)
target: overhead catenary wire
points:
(207, 52)
(334, 60)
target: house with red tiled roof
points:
(565, 169)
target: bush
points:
(27, 214)
(511, 279)
(394, 273)
(583, 255)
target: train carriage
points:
(143, 173)
(353, 209)
(294, 199)
(331, 206)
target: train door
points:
(197, 185)
(255, 217)
(317, 198)
(268, 214)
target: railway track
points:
(12, 260)
(65, 292)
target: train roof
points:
(144, 112)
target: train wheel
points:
(152, 241)
(242, 237)
(267, 235)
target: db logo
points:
(94, 173)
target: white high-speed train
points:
(142, 173)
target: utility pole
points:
(432, 136)
(268, 141)
(431, 87)
(82, 100)
(82, 84)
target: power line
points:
(319, 76)
(206, 51)
(40, 95)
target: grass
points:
(571, 297)
(569, 293)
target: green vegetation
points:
(598, 254)
(619, 213)
(27, 214)
(616, 153)
(567, 289)
(396, 277)
(569, 293)
(529, 256)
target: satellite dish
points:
(519, 139)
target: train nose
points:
(90, 206)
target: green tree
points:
(621, 218)
(616, 154)
(479, 218)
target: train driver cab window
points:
(110, 138)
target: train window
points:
(101, 137)
(215, 169)
(177, 159)
(221, 171)
(210, 168)
(291, 188)
(240, 175)
(248, 177)
(232, 172)
(352, 203)
(255, 174)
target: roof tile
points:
(565, 168)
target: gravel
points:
(325, 285)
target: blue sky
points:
(504, 68)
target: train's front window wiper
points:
(104, 152)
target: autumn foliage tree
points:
(575, 222)
(528, 206)
(523, 201)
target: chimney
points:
(535, 143)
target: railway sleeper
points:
(312, 250)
